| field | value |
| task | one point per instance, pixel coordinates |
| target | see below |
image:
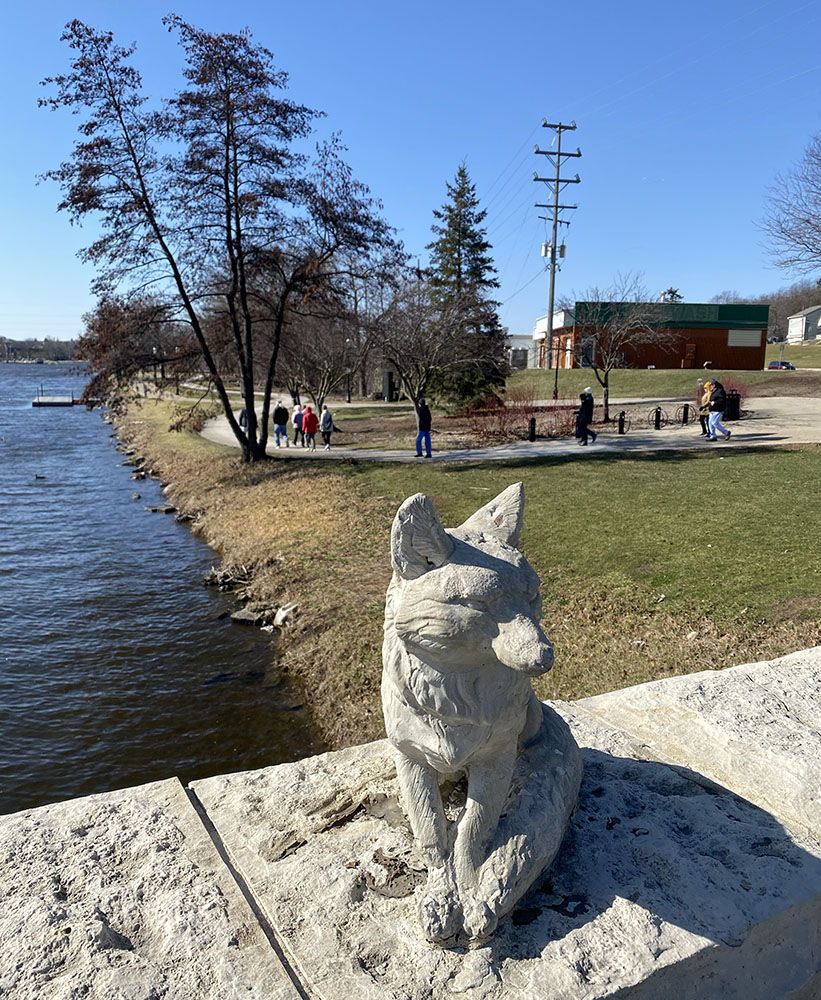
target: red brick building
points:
(720, 335)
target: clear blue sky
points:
(686, 114)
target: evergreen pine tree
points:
(460, 255)
(462, 274)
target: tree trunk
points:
(254, 451)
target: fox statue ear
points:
(419, 543)
(502, 517)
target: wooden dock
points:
(53, 401)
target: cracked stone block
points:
(666, 885)
(755, 729)
(123, 896)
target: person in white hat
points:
(586, 416)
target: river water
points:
(117, 666)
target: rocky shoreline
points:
(275, 567)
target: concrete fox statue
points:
(462, 639)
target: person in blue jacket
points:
(423, 421)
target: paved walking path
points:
(768, 422)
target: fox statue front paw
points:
(478, 920)
(440, 909)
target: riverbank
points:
(651, 564)
(285, 535)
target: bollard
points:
(657, 421)
(531, 430)
(685, 413)
(621, 422)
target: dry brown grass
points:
(396, 429)
(606, 640)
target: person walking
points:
(326, 426)
(280, 419)
(584, 418)
(703, 403)
(310, 423)
(423, 423)
(296, 423)
(718, 402)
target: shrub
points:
(491, 421)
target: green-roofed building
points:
(729, 336)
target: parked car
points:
(781, 366)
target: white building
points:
(804, 326)
(522, 352)
(561, 318)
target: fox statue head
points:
(467, 597)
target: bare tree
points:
(319, 354)
(129, 338)
(207, 201)
(421, 336)
(793, 220)
(611, 323)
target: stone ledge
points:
(755, 729)
(664, 887)
(123, 896)
(691, 869)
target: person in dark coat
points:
(585, 417)
(296, 423)
(280, 419)
(718, 403)
(423, 419)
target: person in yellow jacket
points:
(703, 394)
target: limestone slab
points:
(665, 886)
(756, 729)
(123, 896)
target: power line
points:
(524, 286)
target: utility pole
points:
(558, 184)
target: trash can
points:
(732, 411)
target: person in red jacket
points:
(310, 425)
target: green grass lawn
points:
(801, 355)
(652, 564)
(721, 530)
(662, 383)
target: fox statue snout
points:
(523, 646)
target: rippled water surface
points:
(117, 666)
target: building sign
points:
(744, 338)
